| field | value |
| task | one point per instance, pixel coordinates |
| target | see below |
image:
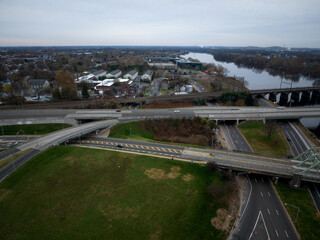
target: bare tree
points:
(270, 127)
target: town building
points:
(114, 74)
(38, 84)
(147, 76)
(100, 73)
(131, 75)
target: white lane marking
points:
(269, 194)
(277, 212)
(255, 224)
(268, 211)
(297, 143)
(265, 225)
(316, 190)
(302, 139)
(261, 194)
(262, 180)
(277, 232)
(286, 233)
(247, 200)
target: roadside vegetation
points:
(193, 131)
(32, 129)
(307, 222)
(309, 134)
(77, 193)
(237, 99)
(266, 138)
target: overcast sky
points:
(290, 23)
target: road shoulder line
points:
(285, 210)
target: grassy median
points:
(307, 222)
(254, 132)
(32, 129)
(134, 131)
(77, 193)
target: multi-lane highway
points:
(262, 205)
(215, 113)
(298, 145)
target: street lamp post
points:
(298, 210)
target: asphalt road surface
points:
(262, 204)
(220, 113)
(295, 140)
(263, 201)
(299, 145)
(235, 138)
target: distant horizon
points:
(37, 23)
(146, 46)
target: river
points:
(258, 80)
(255, 79)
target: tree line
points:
(289, 68)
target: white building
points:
(131, 75)
(100, 73)
(87, 78)
(114, 74)
(189, 88)
(105, 84)
(147, 76)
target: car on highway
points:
(120, 146)
(210, 116)
(176, 111)
(118, 110)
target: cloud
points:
(150, 22)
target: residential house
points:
(147, 76)
(114, 74)
(100, 73)
(131, 75)
(38, 84)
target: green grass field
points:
(134, 131)
(308, 223)
(32, 129)
(254, 132)
(131, 130)
(76, 193)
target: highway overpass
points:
(11, 117)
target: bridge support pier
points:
(305, 98)
(315, 97)
(296, 181)
(283, 99)
(237, 122)
(272, 97)
(294, 100)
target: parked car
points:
(176, 111)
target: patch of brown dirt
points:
(222, 220)
(155, 173)
(187, 177)
(175, 172)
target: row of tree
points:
(289, 68)
(195, 130)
